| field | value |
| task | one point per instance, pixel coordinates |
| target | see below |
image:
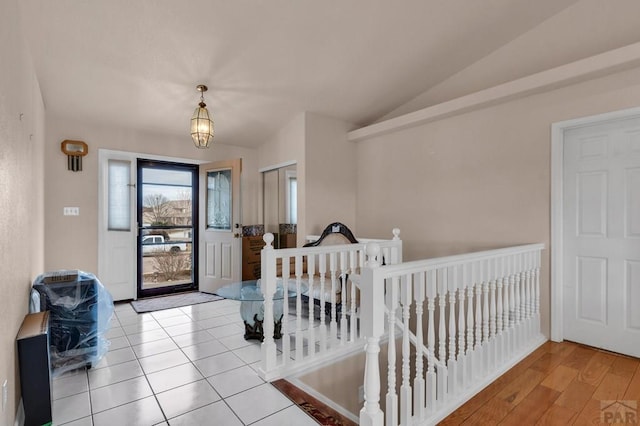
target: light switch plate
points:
(71, 211)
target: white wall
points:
(21, 192)
(71, 241)
(326, 172)
(330, 173)
(477, 180)
(286, 146)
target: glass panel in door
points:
(166, 212)
(219, 200)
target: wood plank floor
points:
(558, 384)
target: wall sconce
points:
(74, 150)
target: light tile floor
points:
(182, 366)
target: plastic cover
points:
(80, 316)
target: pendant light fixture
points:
(201, 123)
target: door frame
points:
(557, 197)
(103, 156)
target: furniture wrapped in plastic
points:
(80, 315)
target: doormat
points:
(173, 301)
(321, 412)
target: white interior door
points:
(601, 222)
(220, 232)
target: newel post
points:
(372, 327)
(268, 287)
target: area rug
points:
(322, 413)
(173, 301)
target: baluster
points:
(268, 273)
(486, 348)
(462, 357)
(492, 322)
(353, 335)
(525, 279)
(518, 302)
(477, 285)
(418, 381)
(518, 290)
(507, 308)
(442, 335)
(322, 270)
(370, 414)
(299, 335)
(405, 389)
(442, 305)
(537, 282)
(477, 349)
(344, 332)
(525, 286)
(452, 365)
(431, 337)
(492, 308)
(470, 325)
(333, 271)
(311, 271)
(284, 320)
(536, 285)
(527, 295)
(499, 311)
(531, 273)
(485, 312)
(508, 284)
(392, 397)
(493, 326)
(523, 296)
(512, 306)
(470, 337)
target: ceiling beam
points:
(584, 69)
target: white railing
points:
(313, 334)
(481, 314)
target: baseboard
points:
(19, 415)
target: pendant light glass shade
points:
(201, 122)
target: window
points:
(119, 193)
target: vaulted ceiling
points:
(137, 63)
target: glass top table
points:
(249, 291)
(251, 300)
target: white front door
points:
(117, 226)
(601, 222)
(220, 228)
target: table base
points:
(256, 331)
